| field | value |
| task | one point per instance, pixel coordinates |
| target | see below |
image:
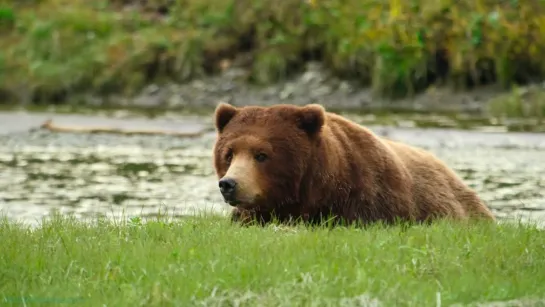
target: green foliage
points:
(527, 102)
(57, 47)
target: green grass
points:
(525, 102)
(51, 50)
(208, 261)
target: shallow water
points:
(89, 174)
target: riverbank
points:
(318, 85)
(425, 54)
(508, 113)
(206, 260)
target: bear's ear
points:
(224, 113)
(311, 118)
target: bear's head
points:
(262, 154)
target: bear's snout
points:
(228, 188)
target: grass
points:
(208, 261)
(520, 102)
(52, 50)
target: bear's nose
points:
(227, 186)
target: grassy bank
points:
(51, 49)
(209, 261)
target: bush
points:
(54, 48)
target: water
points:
(113, 175)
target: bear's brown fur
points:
(295, 162)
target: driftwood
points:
(49, 125)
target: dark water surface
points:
(89, 174)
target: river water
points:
(113, 175)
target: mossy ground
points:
(206, 260)
(52, 49)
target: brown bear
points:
(288, 162)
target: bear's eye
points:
(229, 156)
(260, 157)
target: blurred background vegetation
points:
(51, 49)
